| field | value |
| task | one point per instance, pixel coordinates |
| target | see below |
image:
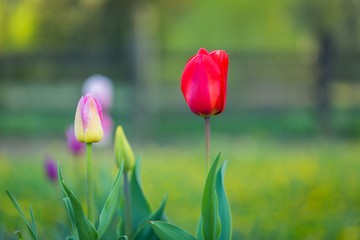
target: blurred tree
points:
(335, 27)
(17, 24)
(85, 25)
(144, 45)
(228, 24)
(71, 32)
(62, 34)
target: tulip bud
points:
(204, 81)
(88, 118)
(50, 169)
(123, 151)
(74, 146)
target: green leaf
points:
(110, 205)
(199, 235)
(209, 206)
(70, 238)
(72, 215)
(144, 230)
(33, 221)
(18, 233)
(140, 207)
(60, 178)
(168, 231)
(85, 228)
(17, 206)
(224, 206)
(123, 237)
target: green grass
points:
(278, 189)
(174, 123)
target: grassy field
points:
(278, 188)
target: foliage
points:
(84, 228)
(270, 181)
(215, 221)
(31, 227)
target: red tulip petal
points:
(200, 83)
(221, 58)
(202, 51)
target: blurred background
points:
(290, 130)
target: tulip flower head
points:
(74, 146)
(204, 82)
(50, 169)
(88, 117)
(123, 151)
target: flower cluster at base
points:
(126, 211)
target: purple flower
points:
(50, 169)
(73, 144)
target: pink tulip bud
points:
(74, 146)
(204, 81)
(88, 117)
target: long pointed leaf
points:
(72, 216)
(33, 225)
(17, 206)
(168, 231)
(144, 230)
(85, 228)
(60, 178)
(198, 233)
(224, 206)
(110, 205)
(140, 207)
(209, 207)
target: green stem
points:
(127, 209)
(207, 145)
(90, 183)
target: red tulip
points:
(204, 81)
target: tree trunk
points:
(323, 82)
(145, 65)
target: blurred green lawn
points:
(278, 188)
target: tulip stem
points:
(207, 145)
(90, 183)
(127, 209)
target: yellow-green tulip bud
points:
(123, 151)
